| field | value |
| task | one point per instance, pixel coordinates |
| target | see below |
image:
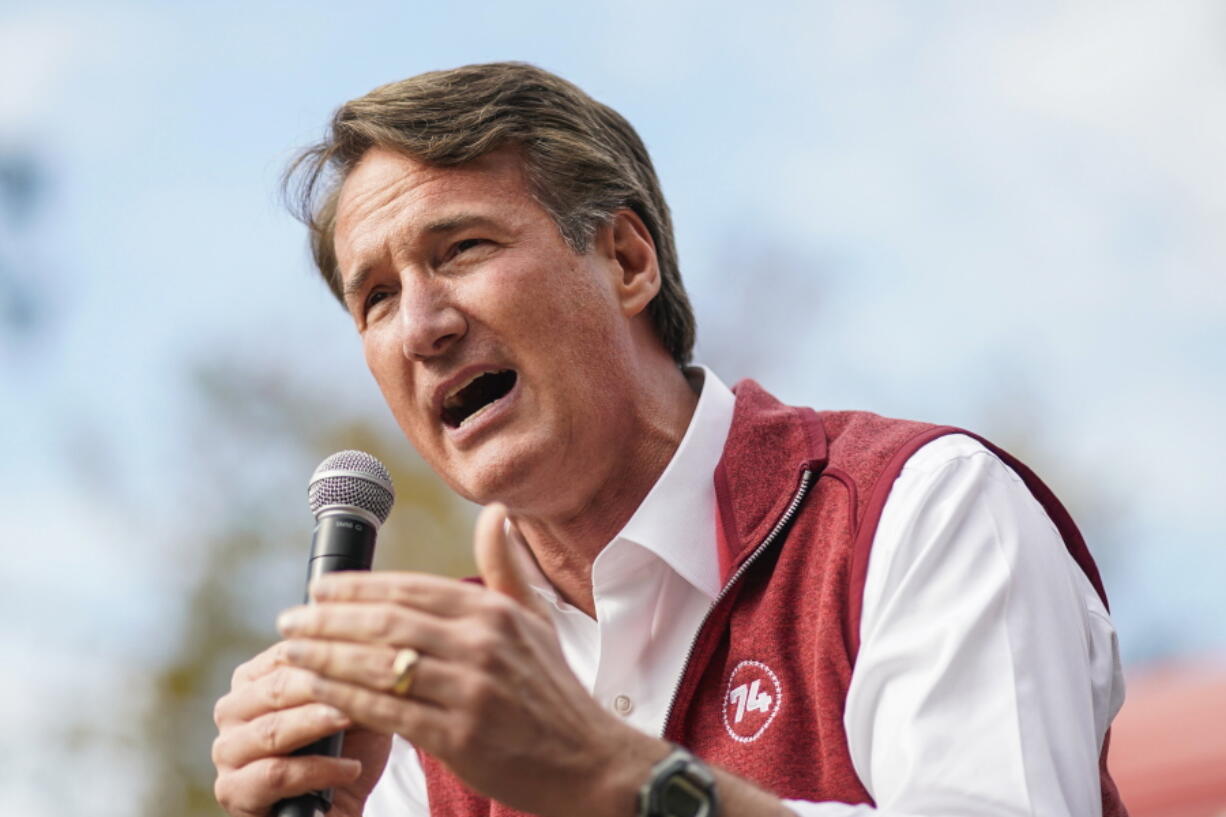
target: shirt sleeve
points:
(401, 791)
(989, 669)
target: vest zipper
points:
(806, 480)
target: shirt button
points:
(622, 705)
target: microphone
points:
(350, 495)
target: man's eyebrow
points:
(457, 222)
(357, 283)
(449, 224)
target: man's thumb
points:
(501, 558)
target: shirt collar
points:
(676, 521)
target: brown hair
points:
(582, 159)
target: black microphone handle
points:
(342, 541)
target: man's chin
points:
(498, 470)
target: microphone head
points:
(351, 479)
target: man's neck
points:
(566, 545)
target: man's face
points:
(500, 351)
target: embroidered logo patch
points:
(752, 701)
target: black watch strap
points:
(680, 785)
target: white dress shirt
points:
(1000, 710)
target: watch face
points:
(681, 798)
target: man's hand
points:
(492, 695)
(271, 711)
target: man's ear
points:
(633, 252)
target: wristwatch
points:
(680, 785)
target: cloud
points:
(37, 53)
(1144, 81)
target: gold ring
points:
(405, 667)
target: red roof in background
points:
(1168, 744)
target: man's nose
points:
(430, 323)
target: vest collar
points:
(769, 447)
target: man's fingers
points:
(421, 723)
(434, 681)
(257, 667)
(254, 788)
(500, 558)
(276, 733)
(370, 623)
(286, 686)
(434, 594)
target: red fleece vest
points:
(762, 694)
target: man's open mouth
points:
(474, 398)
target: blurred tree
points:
(21, 183)
(258, 438)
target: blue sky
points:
(998, 215)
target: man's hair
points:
(583, 162)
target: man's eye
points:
(466, 244)
(374, 298)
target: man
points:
(680, 614)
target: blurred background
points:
(999, 215)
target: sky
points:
(998, 215)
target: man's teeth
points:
(481, 391)
(453, 399)
(477, 413)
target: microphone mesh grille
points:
(367, 485)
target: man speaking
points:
(695, 600)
